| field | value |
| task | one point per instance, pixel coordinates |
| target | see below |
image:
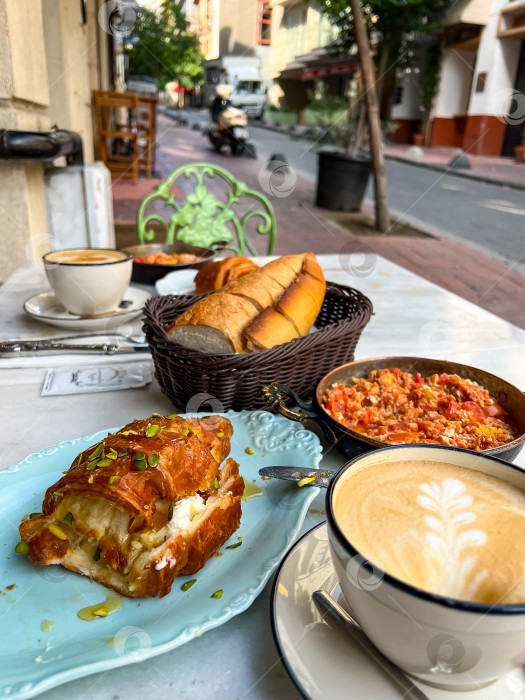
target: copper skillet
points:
(351, 444)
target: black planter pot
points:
(341, 181)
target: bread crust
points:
(267, 307)
(224, 312)
(269, 328)
(120, 534)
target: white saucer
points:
(321, 658)
(177, 282)
(45, 307)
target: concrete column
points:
(24, 98)
(68, 45)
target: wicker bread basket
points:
(195, 381)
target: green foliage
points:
(391, 18)
(430, 74)
(327, 104)
(166, 50)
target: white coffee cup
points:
(449, 643)
(89, 281)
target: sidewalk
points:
(301, 226)
(490, 169)
(500, 171)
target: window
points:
(264, 22)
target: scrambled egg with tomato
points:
(402, 408)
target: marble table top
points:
(238, 660)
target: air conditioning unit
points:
(80, 207)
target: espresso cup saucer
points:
(46, 308)
(321, 658)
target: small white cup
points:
(448, 643)
(89, 281)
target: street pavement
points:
(453, 263)
(488, 217)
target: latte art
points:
(89, 256)
(443, 528)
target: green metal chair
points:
(202, 219)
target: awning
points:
(340, 69)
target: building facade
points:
(54, 53)
(480, 105)
(299, 56)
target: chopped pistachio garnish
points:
(140, 464)
(129, 432)
(123, 452)
(249, 451)
(103, 463)
(216, 483)
(112, 454)
(92, 465)
(138, 456)
(306, 480)
(34, 515)
(152, 430)
(217, 594)
(79, 459)
(22, 548)
(58, 494)
(153, 460)
(57, 532)
(90, 480)
(113, 479)
(186, 586)
(101, 612)
(170, 511)
(184, 431)
(68, 518)
(97, 451)
(156, 415)
(96, 556)
(195, 432)
(172, 416)
(234, 546)
(219, 435)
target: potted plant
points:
(418, 139)
(519, 151)
(343, 169)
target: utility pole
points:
(374, 124)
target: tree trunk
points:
(382, 69)
(374, 125)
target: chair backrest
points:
(203, 219)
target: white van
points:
(244, 73)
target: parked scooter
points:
(229, 124)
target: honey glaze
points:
(251, 491)
(113, 602)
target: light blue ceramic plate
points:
(33, 660)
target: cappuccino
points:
(440, 527)
(88, 256)
(89, 281)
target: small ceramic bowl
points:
(149, 273)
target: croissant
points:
(144, 505)
(216, 274)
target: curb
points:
(418, 164)
(457, 173)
